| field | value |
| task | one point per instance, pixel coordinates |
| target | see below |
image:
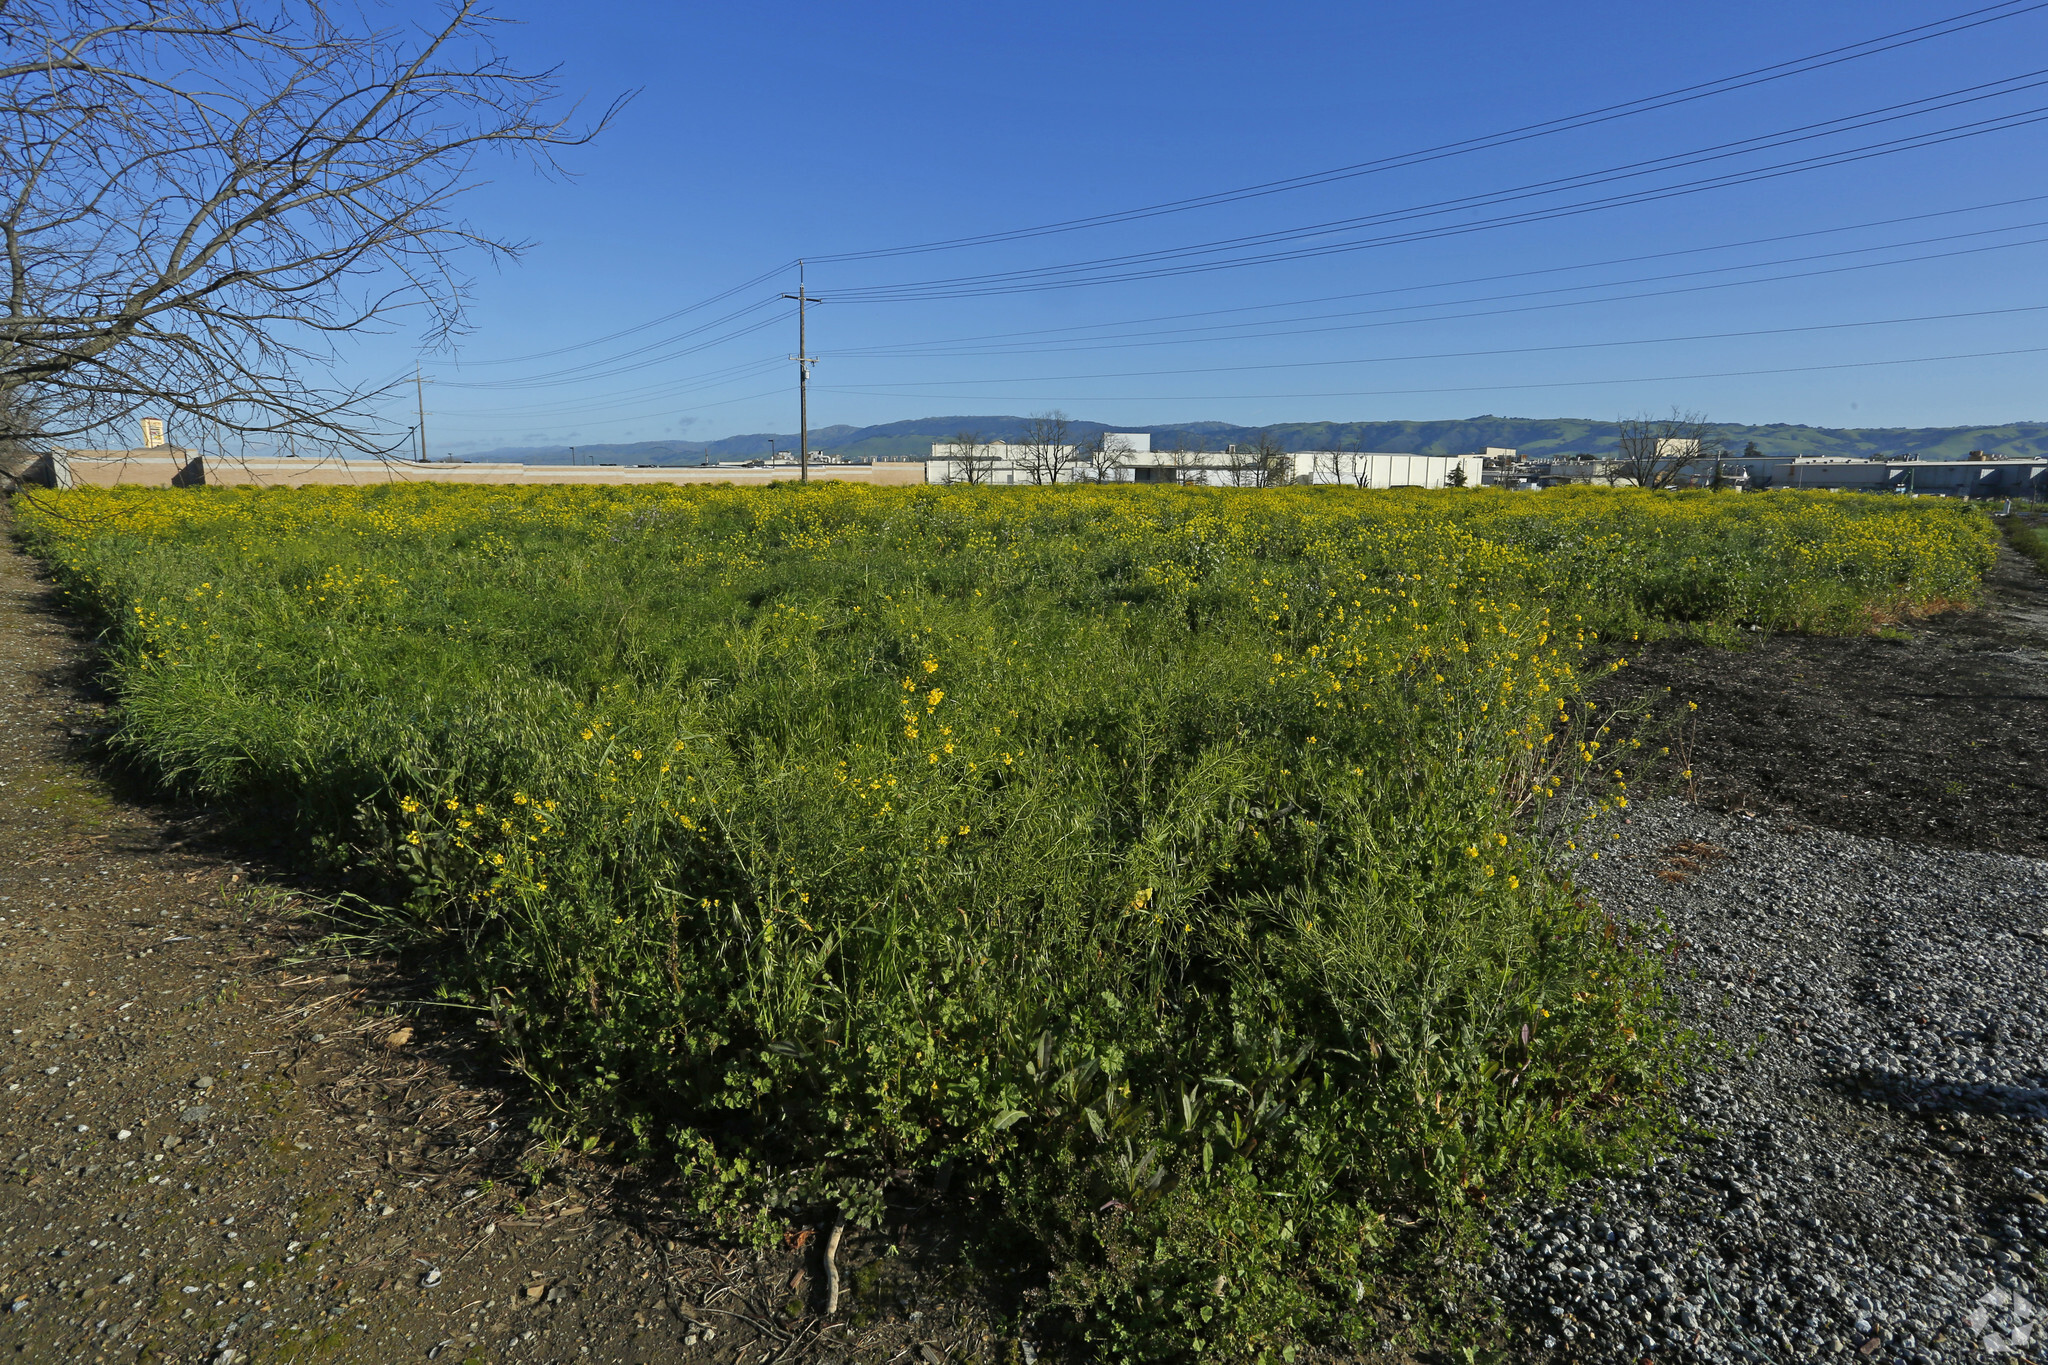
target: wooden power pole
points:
(804, 360)
(419, 387)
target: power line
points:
(881, 353)
(670, 411)
(1725, 85)
(759, 279)
(1242, 251)
(596, 369)
(1906, 37)
(1078, 328)
(747, 369)
(1146, 265)
(1491, 388)
(1499, 351)
(683, 384)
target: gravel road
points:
(1870, 1178)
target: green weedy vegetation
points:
(2027, 533)
(1169, 866)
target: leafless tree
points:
(1091, 456)
(1361, 471)
(1103, 454)
(973, 460)
(1120, 451)
(1242, 467)
(1047, 448)
(1329, 464)
(198, 200)
(1187, 459)
(1263, 464)
(1655, 452)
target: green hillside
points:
(1533, 436)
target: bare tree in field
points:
(1655, 452)
(1047, 448)
(1090, 456)
(1102, 454)
(973, 460)
(1263, 464)
(1119, 451)
(1187, 459)
(198, 199)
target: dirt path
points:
(217, 1149)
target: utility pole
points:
(804, 361)
(420, 390)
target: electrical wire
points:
(749, 369)
(1245, 250)
(1147, 265)
(1907, 37)
(1724, 85)
(1491, 388)
(708, 379)
(1077, 329)
(596, 369)
(1498, 351)
(672, 411)
(1118, 345)
(759, 279)
(590, 373)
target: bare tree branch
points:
(973, 460)
(1655, 452)
(1262, 464)
(197, 201)
(1047, 448)
(1102, 454)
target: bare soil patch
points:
(1934, 733)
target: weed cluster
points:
(1165, 866)
(2027, 532)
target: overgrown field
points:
(1164, 873)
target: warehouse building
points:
(1128, 457)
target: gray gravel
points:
(1870, 1179)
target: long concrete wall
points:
(162, 467)
(170, 468)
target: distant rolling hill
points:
(1534, 436)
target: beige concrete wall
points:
(881, 472)
(166, 468)
(160, 467)
(890, 471)
(229, 471)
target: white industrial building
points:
(1128, 457)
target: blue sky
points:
(767, 133)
